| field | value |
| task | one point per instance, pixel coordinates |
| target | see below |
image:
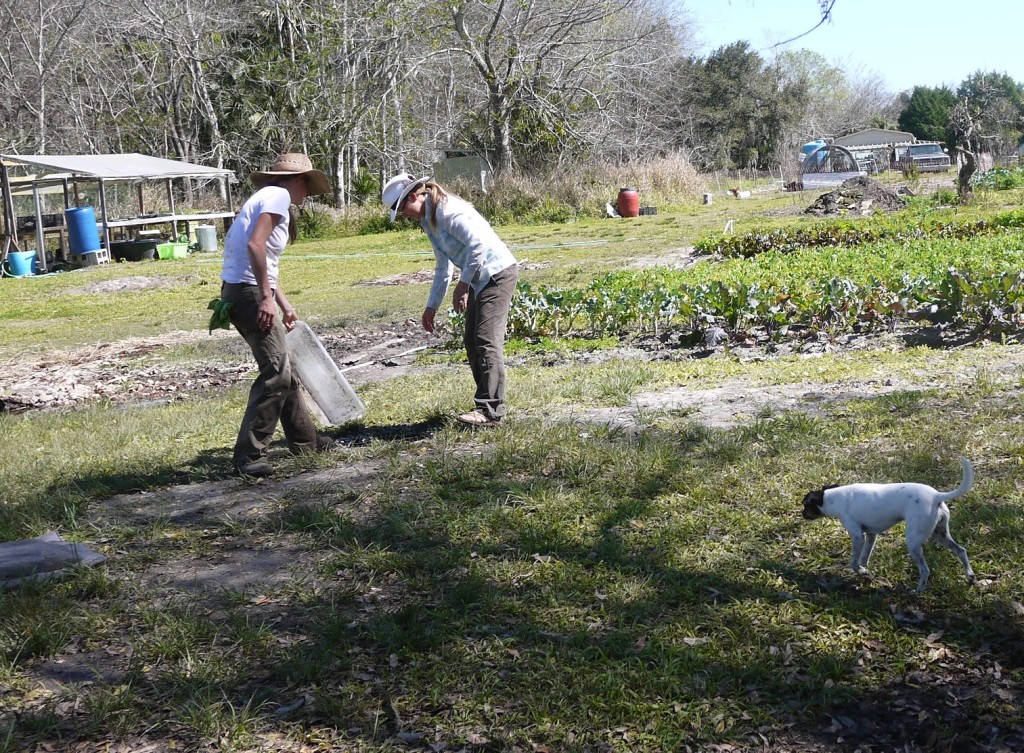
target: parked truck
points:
(928, 157)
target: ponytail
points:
(293, 224)
(437, 196)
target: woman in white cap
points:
(462, 238)
(249, 282)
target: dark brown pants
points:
(486, 321)
(274, 395)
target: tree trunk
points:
(338, 171)
(964, 189)
(502, 134)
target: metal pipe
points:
(12, 225)
(103, 212)
(170, 203)
(40, 236)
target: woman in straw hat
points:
(249, 282)
(462, 238)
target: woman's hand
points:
(289, 317)
(460, 297)
(267, 312)
(428, 319)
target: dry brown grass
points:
(584, 189)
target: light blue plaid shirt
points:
(462, 238)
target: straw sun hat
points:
(293, 163)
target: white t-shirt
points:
(269, 200)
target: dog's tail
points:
(966, 482)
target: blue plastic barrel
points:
(83, 235)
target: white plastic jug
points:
(322, 378)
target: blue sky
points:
(908, 42)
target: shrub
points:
(317, 221)
(365, 187)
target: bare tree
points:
(174, 48)
(541, 58)
(311, 74)
(841, 98)
(33, 49)
(966, 127)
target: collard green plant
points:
(650, 303)
(852, 234)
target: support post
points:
(40, 236)
(103, 212)
(12, 224)
(170, 203)
(231, 205)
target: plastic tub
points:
(172, 250)
(133, 250)
(321, 377)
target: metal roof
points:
(878, 147)
(116, 166)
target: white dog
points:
(866, 510)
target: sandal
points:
(476, 418)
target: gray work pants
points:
(486, 321)
(274, 396)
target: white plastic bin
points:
(322, 378)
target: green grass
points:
(551, 584)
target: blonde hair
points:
(437, 196)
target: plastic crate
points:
(172, 250)
(27, 223)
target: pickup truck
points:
(929, 158)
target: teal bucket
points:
(20, 264)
